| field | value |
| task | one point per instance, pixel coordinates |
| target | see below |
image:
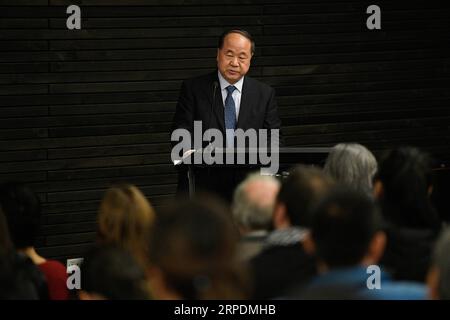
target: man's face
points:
(233, 60)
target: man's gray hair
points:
(352, 164)
(250, 213)
(441, 260)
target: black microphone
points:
(213, 104)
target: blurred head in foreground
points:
(346, 230)
(438, 279)
(125, 218)
(253, 202)
(112, 273)
(192, 252)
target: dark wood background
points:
(80, 110)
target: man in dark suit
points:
(227, 99)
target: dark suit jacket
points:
(258, 108)
(200, 101)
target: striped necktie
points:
(230, 116)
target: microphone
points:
(213, 104)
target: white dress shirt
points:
(236, 93)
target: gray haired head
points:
(441, 260)
(352, 164)
(253, 202)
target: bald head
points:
(253, 202)
(262, 192)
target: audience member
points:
(283, 263)
(192, 253)
(111, 273)
(253, 204)
(125, 218)
(23, 212)
(347, 238)
(20, 279)
(403, 185)
(352, 164)
(438, 279)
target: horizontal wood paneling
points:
(80, 110)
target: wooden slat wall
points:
(80, 110)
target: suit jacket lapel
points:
(218, 108)
(246, 100)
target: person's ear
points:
(218, 53)
(309, 245)
(280, 219)
(432, 281)
(378, 189)
(376, 247)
